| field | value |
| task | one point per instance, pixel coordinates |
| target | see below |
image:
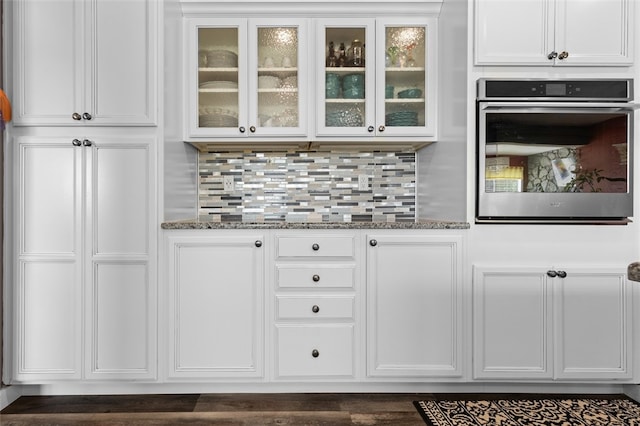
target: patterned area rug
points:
(531, 412)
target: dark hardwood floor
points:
(313, 409)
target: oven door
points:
(557, 161)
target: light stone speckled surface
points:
(420, 224)
(633, 271)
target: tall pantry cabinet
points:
(82, 167)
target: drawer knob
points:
(315, 353)
(552, 273)
(258, 243)
(315, 309)
(373, 243)
(562, 274)
(315, 247)
(316, 278)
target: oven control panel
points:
(583, 90)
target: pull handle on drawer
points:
(315, 246)
(315, 309)
(316, 278)
(315, 353)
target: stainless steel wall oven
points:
(555, 151)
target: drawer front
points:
(319, 246)
(315, 276)
(315, 350)
(310, 307)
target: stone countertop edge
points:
(420, 224)
(633, 271)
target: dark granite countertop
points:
(420, 224)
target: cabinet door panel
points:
(513, 32)
(119, 323)
(49, 36)
(120, 197)
(413, 306)
(49, 318)
(121, 88)
(50, 196)
(512, 334)
(610, 44)
(593, 319)
(217, 308)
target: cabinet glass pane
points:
(345, 90)
(405, 76)
(278, 77)
(218, 77)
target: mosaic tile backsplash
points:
(307, 186)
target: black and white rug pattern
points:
(531, 412)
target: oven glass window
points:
(556, 152)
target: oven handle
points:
(558, 107)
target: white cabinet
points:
(414, 305)
(567, 324)
(376, 77)
(554, 32)
(84, 266)
(216, 293)
(85, 62)
(316, 305)
(246, 77)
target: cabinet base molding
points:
(300, 387)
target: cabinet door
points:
(414, 306)
(217, 77)
(514, 32)
(47, 208)
(512, 334)
(216, 312)
(277, 77)
(48, 66)
(406, 77)
(121, 64)
(93, 59)
(596, 32)
(120, 283)
(593, 325)
(346, 88)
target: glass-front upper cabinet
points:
(247, 77)
(377, 78)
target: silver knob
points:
(252, 129)
(381, 129)
(315, 353)
(315, 309)
(87, 142)
(242, 129)
(552, 55)
(552, 274)
(258, 243)
(371, 129)
(562, 274)
(315, 247)
(76, 142)
(316, 278)
(76, 116)
(373, 243)
(563, 55)
(87, 116)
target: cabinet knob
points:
(561, 274)
(316, 278)
(373, 243)
(315, 353)
(552, 274)
(315, 247)
(315, 309)
(563, 55)
(76, 116)
(258, 243)
(87, 116)
(552, 55)
(76, 142)
(371, 129)
(87, 142)
(381, 129)
(242, 129)
(252, 129)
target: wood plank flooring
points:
(312, 409)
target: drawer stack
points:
(315, 305)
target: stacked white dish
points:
(219, 85)
(268, 82)
(217, 117)
(221, 59)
